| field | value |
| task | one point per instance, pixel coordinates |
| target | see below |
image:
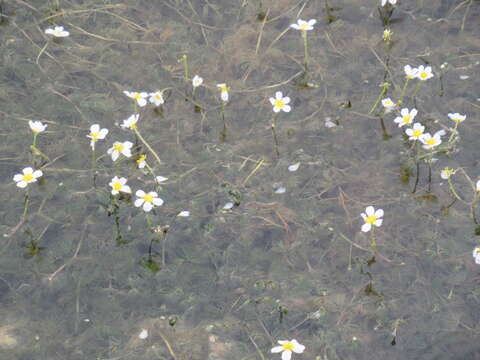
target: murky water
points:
(83, 273)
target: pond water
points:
(85, 274)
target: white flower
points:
(143, 334)
(118, 148)
(197, 81)
(406, 117)
(161, 179)
(156, 98)
(139, 97)
(280, 103)
(294, 167)
(28, 176)
(476, 255)
(287, 347)
(429, 141)
(131, 122)
(280, 190)
(57, 32)
(478, 185)
(392, 2)
(446, 173)
(148, 200)
(410, 73)
(37, 127)
(424, 73)
(228, 206)
(96, 134)
(458, 118)
(416, 132)
(184, 213)
(388, 104)
(387, 35)
(371, 217)
(329, 123)
(223, 91)
(141, 161)
(304, 25)
(119, 185)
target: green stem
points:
(147, 145)
(385, 87)
(184, 59)
(454, 192)
(25, 205)
(454, 132)
(273, 126)
(305, 49)
(400, 101)
(373, 240)
(94, 167)
(35, 140)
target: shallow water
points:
(82, 274)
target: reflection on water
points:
(272, 247)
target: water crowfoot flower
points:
(118, 148)
(148, 200)
(139, 97)
(304, 25)
(197, 81)
(37, 127)
(28, 176)
(371, 217)
(476, 255)
(406, 117)
(142, 161)
(280, 102)
(446, 173)
(389, 105)
(416, 132)
(424, 73)
(119, 185)
(429, 142)
(96, 134)
(184, 213)
(478, 185)
(391, 2)
(223, 91)
(156, 98)
(131, 122)
(58, 31)
(287, 347)
(143, 334)
(160, 179)
(458, 118)
(410, 73)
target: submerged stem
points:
(148, 146)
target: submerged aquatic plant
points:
(304, 26)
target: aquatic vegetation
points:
(96, 133)
(456, 117)
(37, 127)
(131, 122)
(371, 217)
(446, 173)
(406, 117)
(424, 73)
(430, 142)
(280, 102)
(287, 347)
(156, 98)
(197, 81)
(119, 185)
(28, 176)
(304, 26)
(415, 132)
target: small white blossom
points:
(118, 148)
(228, 206)
(161, 179)
(280, 190)
(223, 91)
(139, 97)
(424, 73)
(294, 167)
(476, 255)
(197, 81)
(96, 134)
(29, 176)
(391, 2)
(388, 104)
(280, 102)
(416, 132)
(446, 173)
(37, 127)
(184, 213)
(287, 348)
(156, 98)
(143, 334)
(142, 161)
(458, 118)
(148, 200)
(119, 185)
(131, 122)
(371, 217)
(410, 73)
(58, 31)
(304, 25)
(406, 117)
(429, 141)
(478, 185)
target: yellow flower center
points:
(117, 186)
(223, 88)
(94, 135)
(431, 141)
(407, 119)
(28, 178)
(141, 158)
(137, 96)
(148, 198)
(304, 26)
(288, 346)
(118, 147)
(279, 104)
(371, 219)
(423, 74)
(133, 126)
(417, 132)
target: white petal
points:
(21, 184)
(287, 108)
(140, 193)
(95, 128)
(127, 152)
(286, 100)
(138, 202)
(272, 101)
(17, 177)
(115, 155)
(378, 222)
(276, 109)
(370, 210)
(126, 189)
(158, 201)
(366, 227)
(286, 355)
(147, 206)
(312, 22)
(37, 173)
(295, 26)
(379, 213)
(142, 102)
(28, 170)
(294, 167)
(278, 95)
(277, 349)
